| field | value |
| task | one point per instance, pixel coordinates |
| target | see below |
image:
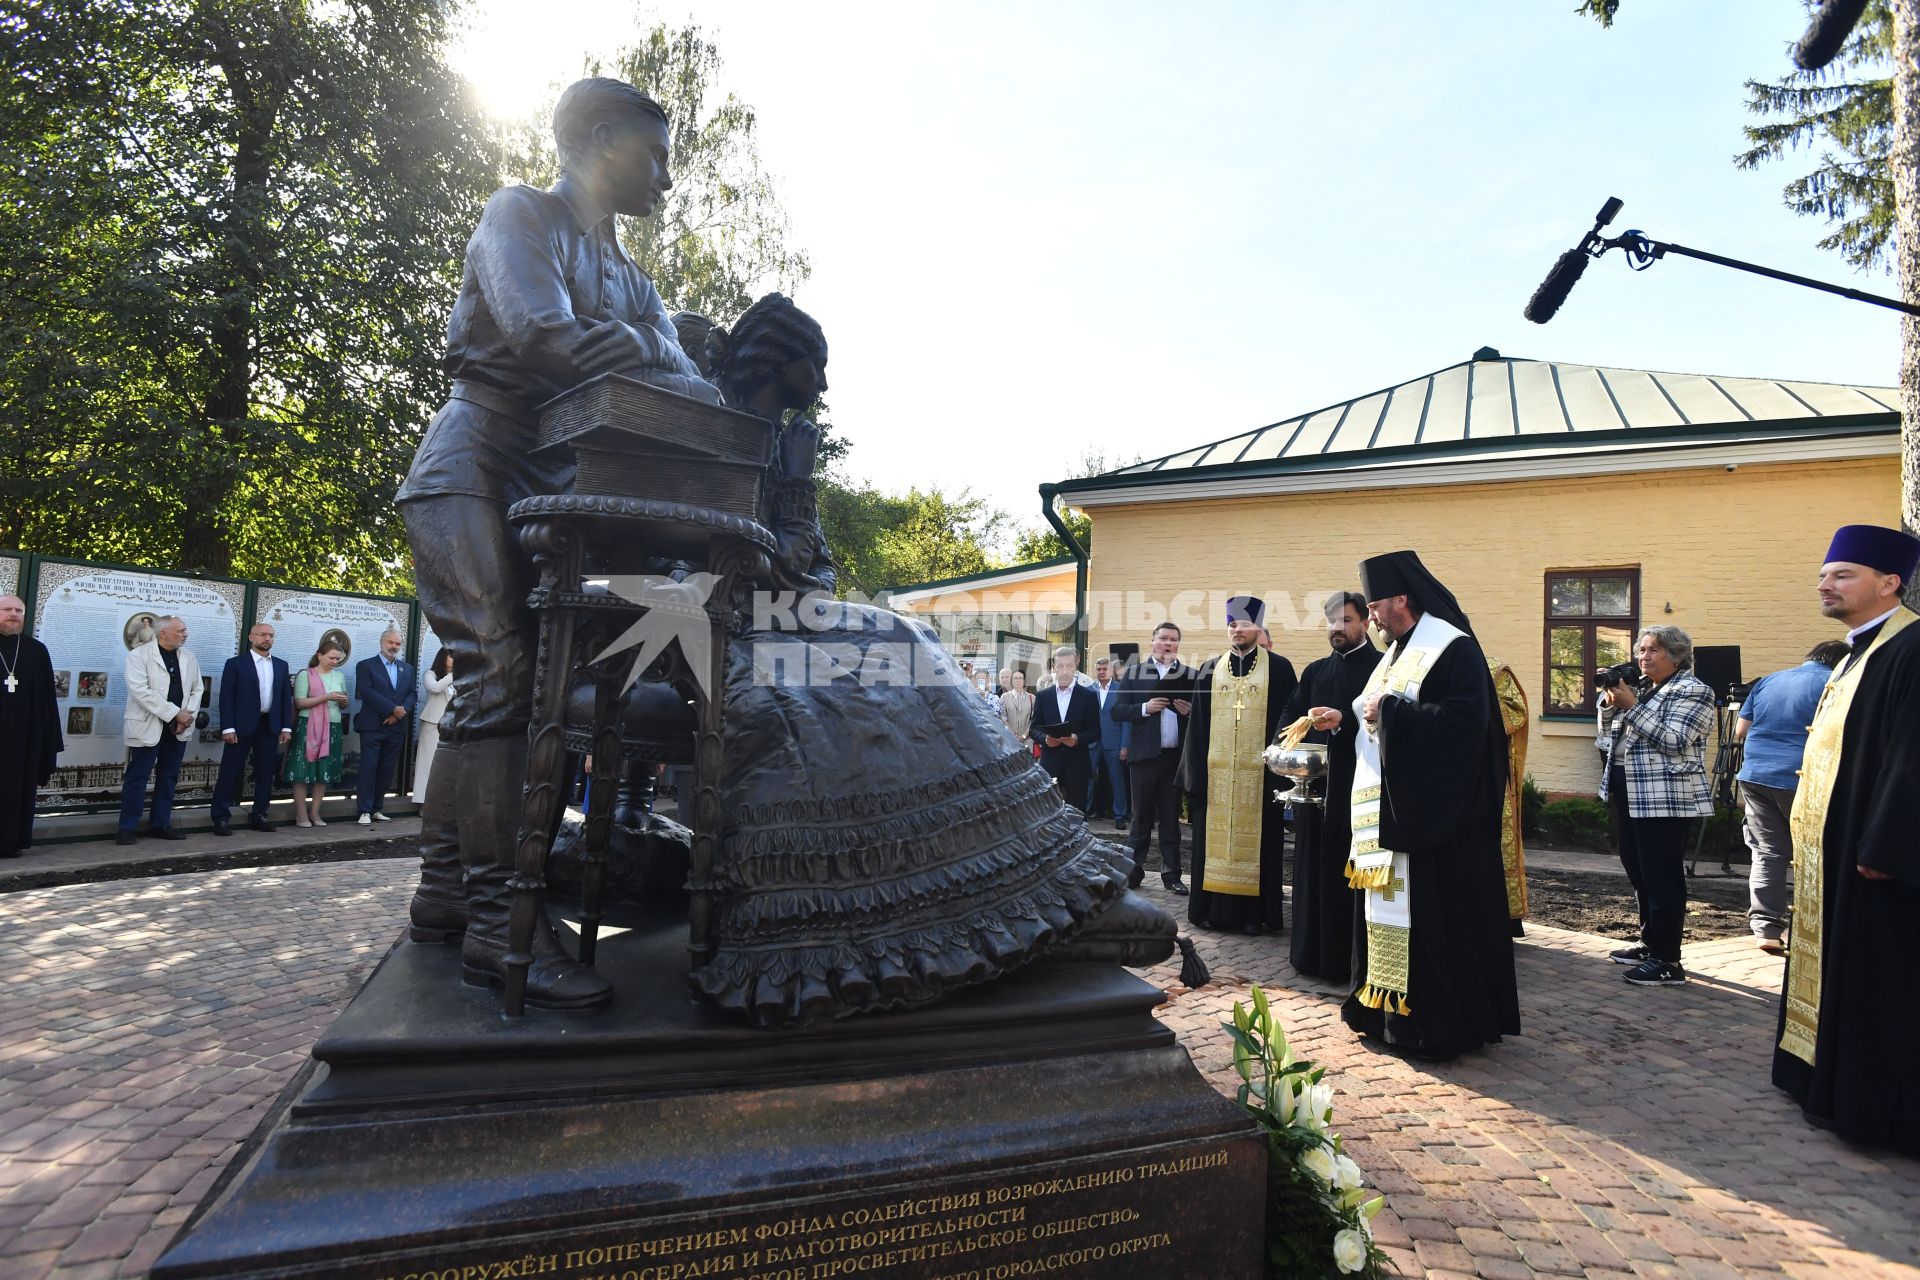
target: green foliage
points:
(1579, 822)
(1318, 1212)
(1844, 112)
(230, 236)
(882, 540)
(1532, 801)
(1040, 542)
(1602, 11)
(231, 233)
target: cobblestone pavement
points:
(1627, 1132)
(148, 1024)
(48, 864)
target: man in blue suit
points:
(256, 720)
(387, 692)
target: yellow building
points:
(1565, 505)
(1012, 617)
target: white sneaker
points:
(366, 819)
(381, 817)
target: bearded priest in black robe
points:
(29, 726)
(1323, 901)
(1849, 1033)
(1430, 772)
(1239, 829)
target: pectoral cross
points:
(1393, 886)
(12, 682)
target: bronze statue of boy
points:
(548, 299)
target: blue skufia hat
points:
(1880, 549)
(1247, 609)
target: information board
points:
(90, 619)
(301, 618)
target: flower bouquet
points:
(1318, 1214)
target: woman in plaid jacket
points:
(1656, 781)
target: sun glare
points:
(513, 53)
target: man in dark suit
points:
(1155, 698)
(1065, 703)
(256, 720)
(387, 692)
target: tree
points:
(1851, 111)
(231, 231)
(1041, 542)
(881, 540)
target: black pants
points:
(261, 744)
(1156, 797)
(379, 756)
(1654, 852)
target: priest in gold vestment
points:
(1239, 830)
(1849, 1037)
(1513, 852)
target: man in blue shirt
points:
(1773, 728)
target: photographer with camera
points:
(1655, 781)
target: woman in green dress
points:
(318, 746)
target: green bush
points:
(1579, 822)
(1532, 801)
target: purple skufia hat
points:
(1247, 609)
(1882, 550)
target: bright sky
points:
(1039, 228)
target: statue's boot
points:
(439, 909)
(488, 804)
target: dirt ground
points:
(1592, 902)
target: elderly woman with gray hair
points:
(1656, 781)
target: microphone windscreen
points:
(1554, 289)
(1827, 33)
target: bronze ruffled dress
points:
(886, 842)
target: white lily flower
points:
(1319, 1162)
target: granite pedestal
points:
(1045, 1123)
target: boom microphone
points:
(1827, 33)
(1566, 272)
(1554, 289)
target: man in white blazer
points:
(163, 693)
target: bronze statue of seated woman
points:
(886, 842)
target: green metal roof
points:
(1496, 404)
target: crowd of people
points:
(1404, 874)
(286, 724)
(1398, 884)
